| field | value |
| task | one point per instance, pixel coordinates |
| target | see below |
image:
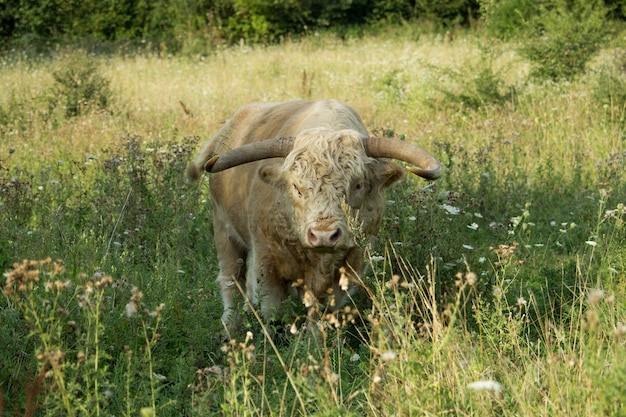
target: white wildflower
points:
(487, 385)
(355, 357)
(472, 226)
(388, 356)
(591, 243)
(159, 377)
(450, 209)
(468, 247)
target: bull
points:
(286, 181)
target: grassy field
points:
(497, 290)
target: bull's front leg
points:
(232, 264)
(265, 286)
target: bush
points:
(564, 38)
(79, 86)
(505, 19)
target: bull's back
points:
(261, 121)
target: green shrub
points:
(504, 19)
(79, 86)
(563, 38)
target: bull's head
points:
(324, 172)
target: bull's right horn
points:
(268, 148)
(426, 165)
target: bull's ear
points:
(388, 173)
(270, 173)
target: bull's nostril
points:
(335, 236)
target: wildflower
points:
(471, 279)
(472, 226)
(393, 282)
(293, 329)
(344, 282)
(388, 356)
(355, 357)
(412, 218)
(591, 243)
(130, 309)
(521, 302)
(620, 330)
(468, 247)
(595, 296)
(482, 260)
(486, 385)
(515, 221)
(309, 299)
(159, 377)
(377, 258)
(450, 209)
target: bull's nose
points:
(324, 238)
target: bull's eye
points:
(297, 190)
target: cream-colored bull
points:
(285, 178)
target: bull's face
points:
(330, 185)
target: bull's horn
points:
(268, 148)
(426, 166)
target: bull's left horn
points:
(426, 165)
(268, 148)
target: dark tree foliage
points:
(171, 22)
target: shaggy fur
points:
(265, 210)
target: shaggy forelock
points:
(324, 155)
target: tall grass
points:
(497, 290)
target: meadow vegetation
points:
(497, 290)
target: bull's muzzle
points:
(325, 236)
